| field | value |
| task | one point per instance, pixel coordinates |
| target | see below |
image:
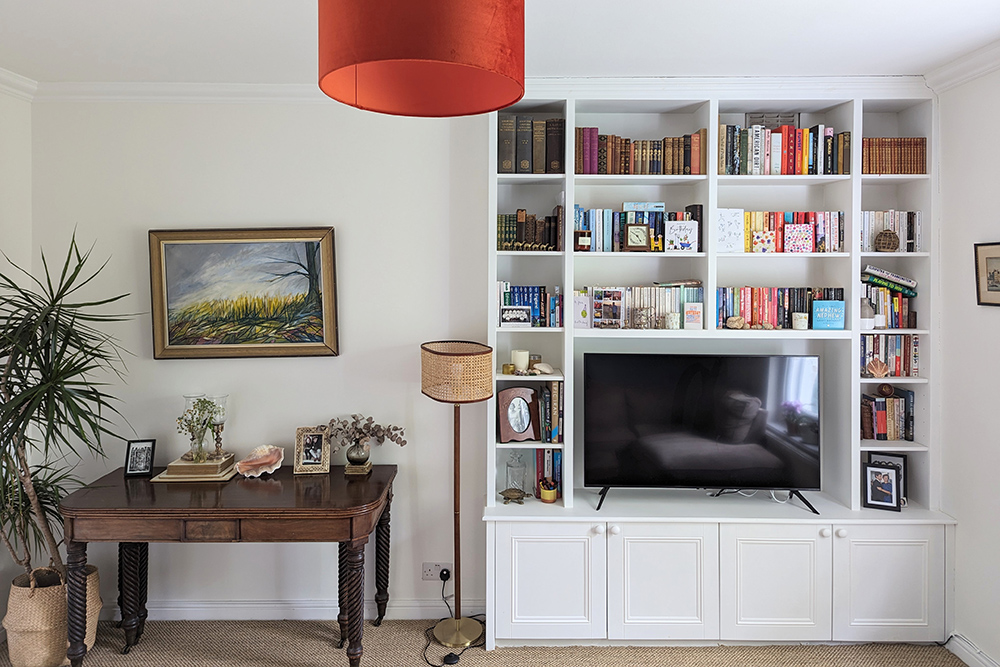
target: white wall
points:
(407, 200)
(15, 220)
(970, 173)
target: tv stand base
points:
(604, 493)
(791, 493)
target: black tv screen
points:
(701, 421)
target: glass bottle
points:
(516, 469)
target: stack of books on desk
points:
(219, 470)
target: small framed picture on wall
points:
(139, 458)
(988, 274)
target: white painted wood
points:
(550, 581)
(775, 582)
(663, 581)
(888, 583)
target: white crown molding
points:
(969, 653)
(964, 69)
(748, 88)
(184, 93)
(17, 86)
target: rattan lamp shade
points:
(456, 371)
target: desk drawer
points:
(210, 531)
(295, 530)
(128, 530)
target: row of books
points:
(740, 230)
(892, 310)
(888, 417)
(598, 153)
(786, 150)
(775, 305)
(529, 146)
(907, 225)
(525, 232)
(550, 411)
(894, 155)
(548, 469)
(524, 306)
(664, 306)
(900, 352)
(606, 230)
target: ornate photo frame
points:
(312, 450)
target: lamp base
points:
(458, 632)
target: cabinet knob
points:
(824, 532)
(615, 530)
(841, 532)
(599, 529)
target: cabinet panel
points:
(888, 583)
(663, 581)
(775, 582)
(551, 581)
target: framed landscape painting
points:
(988, 274)
(243, 292)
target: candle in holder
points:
(520, 359)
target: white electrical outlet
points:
(432, 571)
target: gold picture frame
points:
(988, 274)
(312, 450)
(226, 293)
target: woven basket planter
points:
(36, 618)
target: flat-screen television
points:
(701, 421)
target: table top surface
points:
(328, 494)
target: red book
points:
(539, 471)
(779, 231)
(593, 150)
(798, 151)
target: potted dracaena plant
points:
(55, 362)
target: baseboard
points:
(296, 610)
(969, 653)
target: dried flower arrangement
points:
(361, 430)
(195, 422)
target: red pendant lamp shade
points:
(430, 58)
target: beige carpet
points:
(401, 644)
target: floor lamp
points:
(457, 371)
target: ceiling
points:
(274, 41)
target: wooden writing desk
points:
(279, 508)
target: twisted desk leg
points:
(76, 584)
(342, 593)
(128, 574)
(355, 598)
(121, 604)
(143, 548)
(382, 561)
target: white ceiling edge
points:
(968, 67)
(749, 88)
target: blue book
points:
(828, 315)
(608, 230)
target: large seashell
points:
(266, 458)
(878, 368)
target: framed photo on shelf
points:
(880, 487)
(517, 414)
(139, 458)
(899, 462)
(243, 292)
(988, 274)
(312, 450)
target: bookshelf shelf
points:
(894, 254)
(530, 179)
(529, 444)
(897, 332)
(767, 256)
(892, 446)
(895, 380)
(556, 375)
(782, 180)
(532, 330)
(636, 179)
(672, 254)
(895, 179)
(530, 253)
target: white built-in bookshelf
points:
(652, 108)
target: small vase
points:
(357, 454)
(199, 448)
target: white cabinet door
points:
(551, 581)
(663, 581)
(888, 583)
(775, 581)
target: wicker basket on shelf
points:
(886, 241)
